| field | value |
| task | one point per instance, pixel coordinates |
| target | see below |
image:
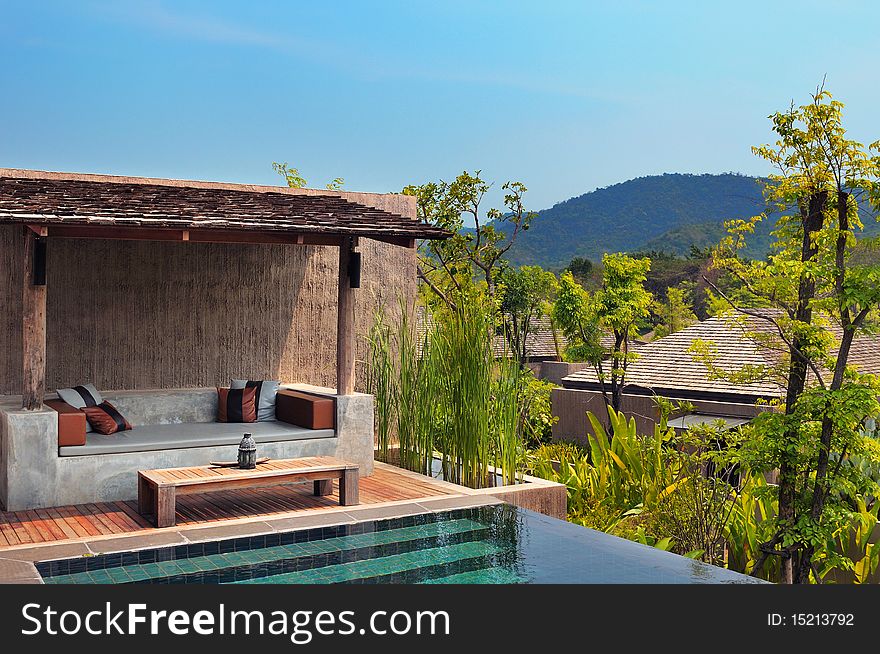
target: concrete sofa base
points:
(34, 475)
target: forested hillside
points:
(630, 215)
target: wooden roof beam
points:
(400, 241)
(39, 230)
(204, 235)
(188, 235)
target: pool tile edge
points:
(27, 556)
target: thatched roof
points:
(54, 199)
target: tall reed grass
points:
(416, 383)
(441, 392)
(509, 412)
(381, 383)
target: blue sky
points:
(565, 96)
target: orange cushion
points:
(105, 419)
(237, 404)
(71, 423)
(305, 409)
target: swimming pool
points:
(496, 544)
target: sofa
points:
(43, 466)
(186, 419)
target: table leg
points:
(166, 497)
(323, 486)
(348, 488)
(145, 496)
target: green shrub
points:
(538, 419)
(694, 517)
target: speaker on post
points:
(39, 261)
(354, 270)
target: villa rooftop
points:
(667, 366)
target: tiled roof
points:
(667, 364)
(61, 199)
(865, 354)
(539, 342)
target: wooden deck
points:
(108, 518)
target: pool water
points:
(498, 544)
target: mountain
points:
(667, 212)
(679, 240)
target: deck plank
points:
(34, 526)
(56, 529)
(21, 534)
(117, 517)
(81, 516)
(100, 521)
(67, 522)
(7, 532)
(130, 509)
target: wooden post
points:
(323, 487)
(146, 499)
(348, 487)
(165, 500)
(33, 331)
(345, 323)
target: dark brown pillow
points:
(105, 419)
(237, 404)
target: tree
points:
(451, 267)
(291, 175)
(526, 296)
(615, 309)
(674, 312)
(620, 305)
(668, 270)
(581, 268)
(295, 180)
(573, 311)
(819, 300)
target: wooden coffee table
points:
(158, 489)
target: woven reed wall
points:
(140, 315)
(11, 247)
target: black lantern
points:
(247, 453)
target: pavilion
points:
(143, 285)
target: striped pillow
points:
(266, 392)
(81, 396)
(236, 405)
(105, 419)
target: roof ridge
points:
(27, 173)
